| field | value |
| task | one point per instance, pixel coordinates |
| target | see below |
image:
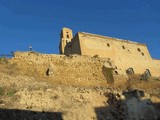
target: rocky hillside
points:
(42, 90)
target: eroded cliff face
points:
(27, 92)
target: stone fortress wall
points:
(124, 54)
(72, 70)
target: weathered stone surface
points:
(132, 105)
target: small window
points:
(108, 44)
(123, 47)
(67, 36)
(142, 54)
(116, 72)
(139, 50)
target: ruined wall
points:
(72, 70)
(125, 54)
(73, 47)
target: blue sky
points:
(38, 22)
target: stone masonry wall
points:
(124, 54)
(73, 70)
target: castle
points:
(127, 56)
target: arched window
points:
(67, 36)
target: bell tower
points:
(65, 37)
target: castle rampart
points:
(91, 70)
(124, 53)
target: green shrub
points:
(2, 91)
(11, 92)
(3, 60)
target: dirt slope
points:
(25, 94)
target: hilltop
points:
(42, 86)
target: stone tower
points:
(65, 38)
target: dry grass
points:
(2, 91)
(152, 83)
(76, 82)
(8, 91)
(13, 69)
(135, 82)
(8, 68)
